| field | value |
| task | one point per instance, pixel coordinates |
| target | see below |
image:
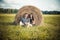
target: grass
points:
(48, 31)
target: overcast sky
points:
(41, 4)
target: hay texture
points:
(37, 14)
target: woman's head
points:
(26, 15)
(31, 15)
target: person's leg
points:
(21, 23)
(33, 22)
(29, 25)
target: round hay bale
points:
(37, 14)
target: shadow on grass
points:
(7, 23)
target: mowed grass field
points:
(50, 30)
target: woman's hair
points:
(25, 14)
(29, 16)
(32, 16)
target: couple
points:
(27, 19)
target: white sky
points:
(41, 4)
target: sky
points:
(44, 5)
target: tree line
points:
(51, 12)
(10, 11)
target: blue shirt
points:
(25, 20)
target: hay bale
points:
(37, 14)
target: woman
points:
(25, 20)
(32, 21)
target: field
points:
(50, 30)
